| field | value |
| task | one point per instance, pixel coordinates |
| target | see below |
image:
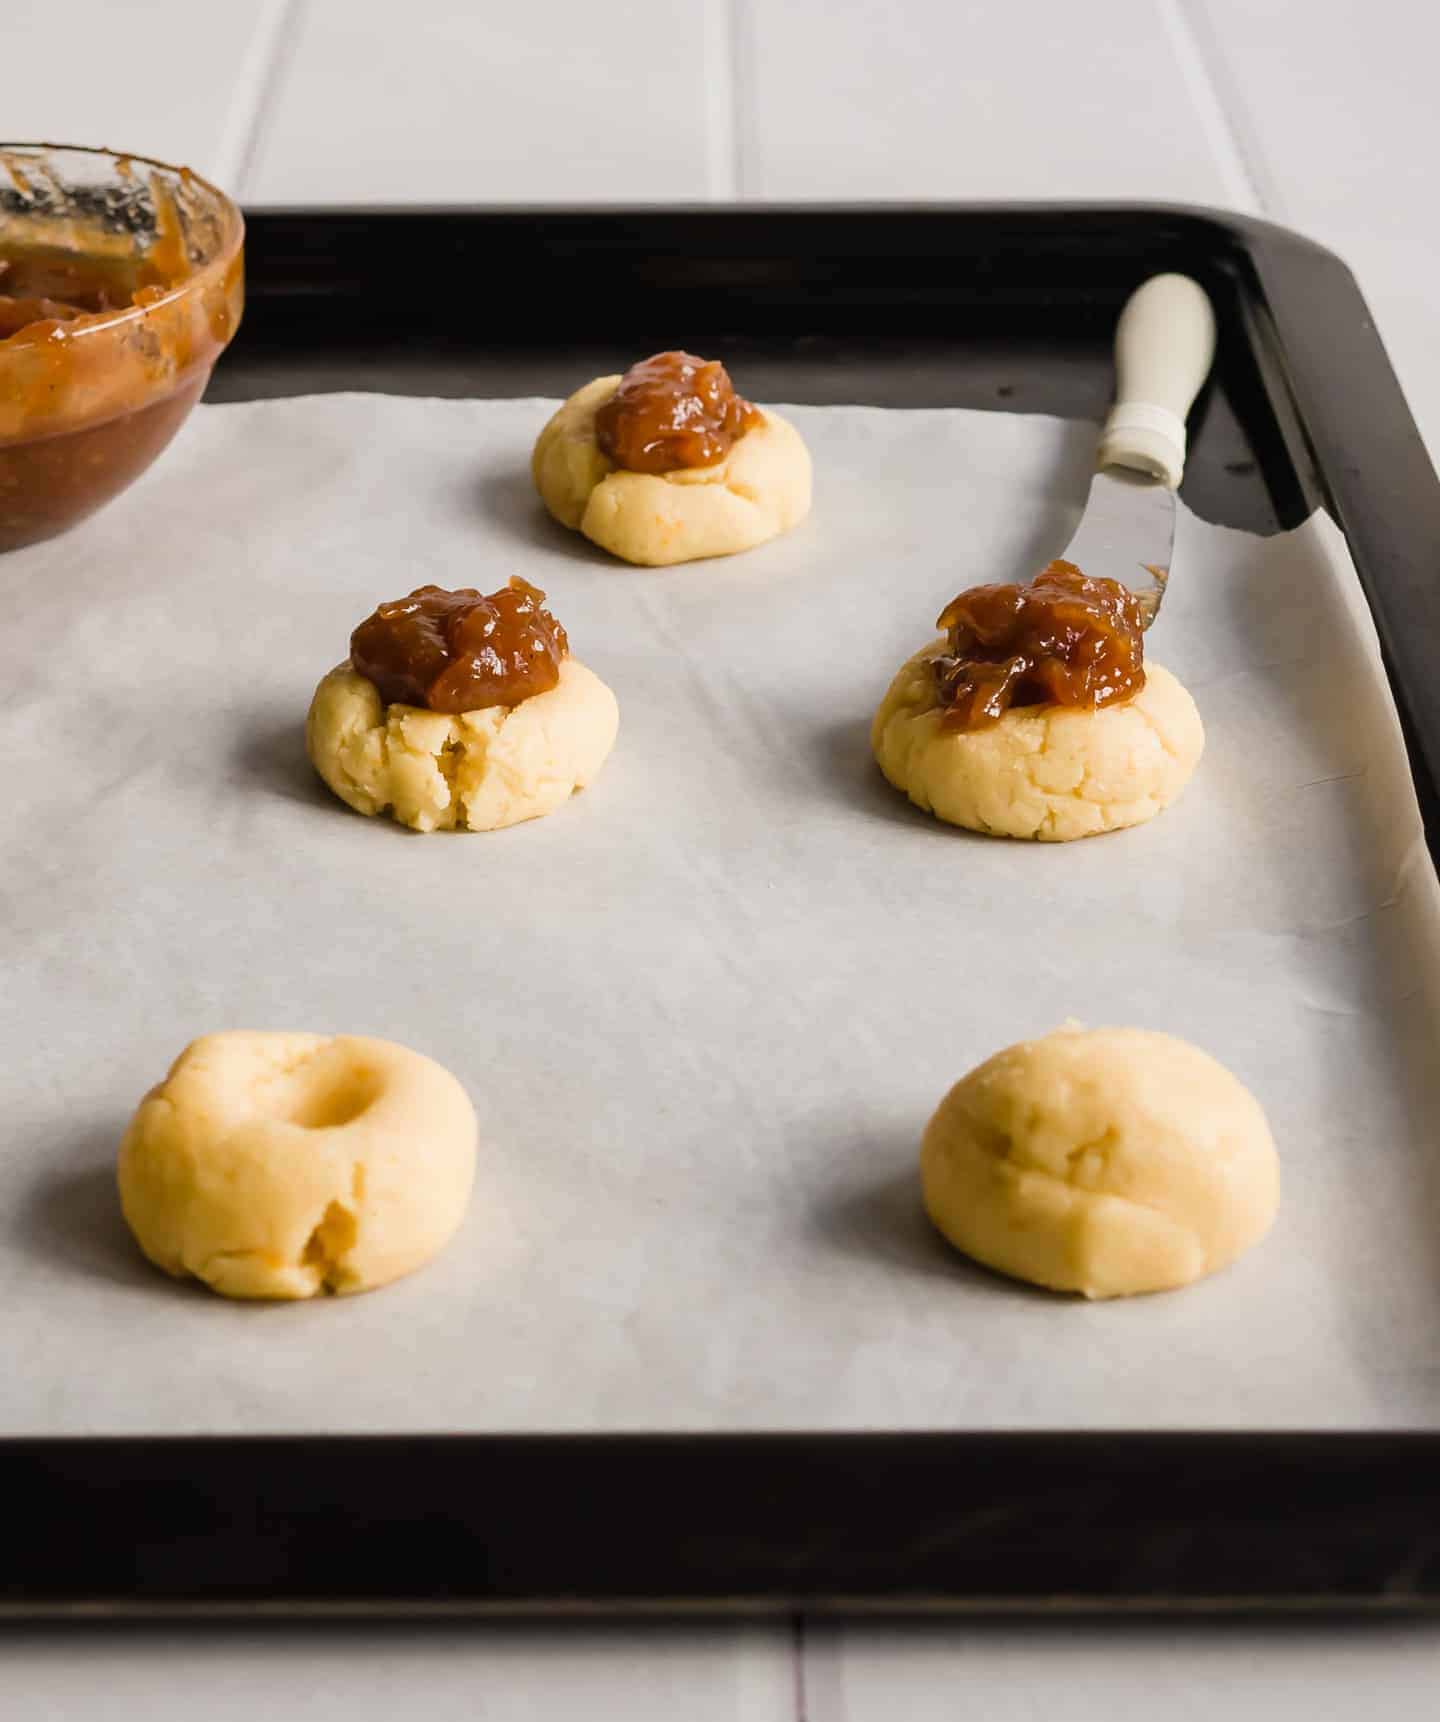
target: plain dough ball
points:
(1049, 772)
(759, 490)
(1104, 1161)
(282, 1165)
(469, 771)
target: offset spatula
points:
(1164, 346)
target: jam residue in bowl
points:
(461, 651)
(1062, 639)
(121, 282)
(671, 411)
(42, 285)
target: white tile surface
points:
(1333, 106)
(1184, 1671)
(967, 99)
(454, 101)
(164, 78)
(480, 1672)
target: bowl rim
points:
(231, 244)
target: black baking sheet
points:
(1006, 308)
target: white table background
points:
(1319, 114)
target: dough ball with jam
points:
(668, 464)
(1101, 1161)
(1049, 772)
(288, 1165)
(457, 711)
(1035, 715)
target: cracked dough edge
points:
(473, 771)
(1188, 1179)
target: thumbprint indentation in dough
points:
(319, 1091)
(336, 1099)
(287, 1165)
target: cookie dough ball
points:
(285, 1165)
(460, 771)
(1046, 771)
(758, 490)
(1102, 1161)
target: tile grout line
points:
(765, 1678)
(820, 1692)
(738, 26)
(722, 152)
(257, 86)
(1202, 68)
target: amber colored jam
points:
(1062, 639)
(103, 351)
(42, 285)
(19, 311)
(461, 651)
(46, 286)
(51, 483)
(672, 411)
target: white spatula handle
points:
(1164, 347)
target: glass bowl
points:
(121, 283)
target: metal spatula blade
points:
(1127, 532)
(1164, 347)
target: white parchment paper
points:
(705, 1010)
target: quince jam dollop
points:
(1063, 639)
(671, 411)
(461, 651)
